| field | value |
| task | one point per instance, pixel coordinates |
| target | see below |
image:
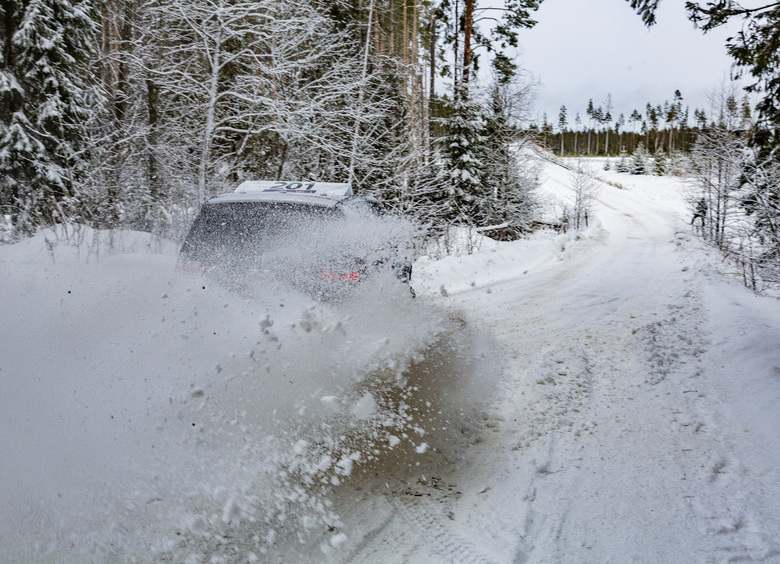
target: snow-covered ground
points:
(607, 396)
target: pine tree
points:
(578, 124)
(562, 122)
(619, 124)
(590, 112)
(606, 119)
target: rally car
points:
(316, 237)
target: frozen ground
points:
(607, 397)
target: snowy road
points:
(610, 439)
(609, 397)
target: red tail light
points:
(190, 267)
(346, 276)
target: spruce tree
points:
(17, 149)
(463, 159)
(43, 91)
(662, 163)
(640, 162)
(509, 175)
(623, 164)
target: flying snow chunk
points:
(422, 449)
(324, 463)
(231, 511)
(338, 540)
(300, 446)
(330, 401)
(344, 466)
(365, 407)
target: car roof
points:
(336, 190)
(297, 199)
(325, 194)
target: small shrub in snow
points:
(663, 163)
(641, 162)
(623, 165)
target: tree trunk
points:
(432, 87)
(392, 28)
(152, 106)
(468, 24)
(456, 49)
(361, 94)
(208, 132)
(406, 34)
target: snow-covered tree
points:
(509, 170)
(464, 163)
(576, 214)
(762, 204)
(718, 159)
(264, 89)
(662, 163)
(640, 161)
(487, 173)
(623, 164)
(44, 90)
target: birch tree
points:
(718, 159)
(266, 88)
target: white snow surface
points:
(603, 396)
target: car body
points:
(295, 234)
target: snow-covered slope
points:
(605, 396)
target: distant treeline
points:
(667, 127)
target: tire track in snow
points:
(644, 359)
(674, 348)
(415, 530)
(423, 422)
(563, 382)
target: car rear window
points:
(240, 226)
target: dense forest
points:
(130, 113)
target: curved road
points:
(600, 446)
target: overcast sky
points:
(587, 49)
